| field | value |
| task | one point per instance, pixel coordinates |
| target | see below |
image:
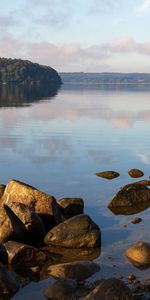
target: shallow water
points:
(57, 141)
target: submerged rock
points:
(8, 282)
(71, 207)
(61, 289)
(108, 174)
(44, 205)
(135, 173)
(77, 232)
(131, 195)
(79, 270)
(110, 289)
(139, 254)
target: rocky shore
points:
(54, 244)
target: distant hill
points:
(20, 71)
(105, 78)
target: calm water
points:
(57, 141)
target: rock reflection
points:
(128, 210)
(17, 96)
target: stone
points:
(61, 289)
(131, 195)
(78, 270)
(136, 220)
(108, 174)
(71, 207)
(2, 189)
(110, 289)
(143, 182)
(34, 227)
(77, 232)
(23, 256)
(139, 254)
(43, 204)
(9, 283)
(135, 173)
(11, 228)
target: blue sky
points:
(81, 35)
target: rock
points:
(44, 205)
(139, 254)
(131, 278)
(8, 282)
(135, 173)
(110, 289)
(131, 195)
(79, 270)
(77, 232)
(11, 228)
(108, 174)
(71, 207)
(143, 182)
(22, 256)
(61, 289)
(2, 189)
(136, 220)
(34, 227)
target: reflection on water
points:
(129, 210)
(16, 96)
(58, 146)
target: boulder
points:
(78, 270)
(110, 289)
(71, 207)
(43, 204)
(11, 228)
(131, 195)
(34, 227)
(77, 232)
(135, 173)
(139, 254)
(108, 174)
(8, 282)
(61, 289)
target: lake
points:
(56, 140)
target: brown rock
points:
(10, 226)
(77, 232)
(131, 195)
(8, 282)
(71, 207)
(110, 289)
(108, 174)
(79, 270)
(34, 227)
(2, 189)
(44, 205)
(139, 254)
(143, 182)
(61, 289)
(135, 173)
(136, 220)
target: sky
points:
(78, 35)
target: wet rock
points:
(136, 220)
(71, 207)
(131, 195)
(9, 283)
(23, 256)
(139, 255)
(79, 270)
(34, 227)
(61, 289)
(2, 189)
(11, 228)
(135, 173)
(77, 232)
(108, 174)
(44, 205)
(110, 289)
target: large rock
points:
(131, 195)
(110, 289)
(11, 228)
(34, 227)
(77, 232)
(8, 282)
(71, 207)
(139, 255)
(135, 173)
(79, 270)
(44, 205)
(61, 289)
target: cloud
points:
(103, 7)
(7, 21)
(144, 6)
